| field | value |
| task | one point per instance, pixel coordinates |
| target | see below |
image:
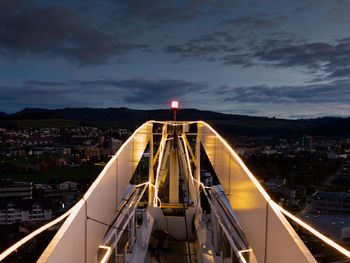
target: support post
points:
(215, 232)
(174, 177)
(150, 168)
(198, 157)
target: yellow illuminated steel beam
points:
(156, 156)
(240, 253)
(107, 255)
(161, 153)
(189, 149)
(195, 197)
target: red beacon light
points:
(174, 107)
(174, 104)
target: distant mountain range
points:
(228, 124)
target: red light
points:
(174, 104)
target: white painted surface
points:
(250, 202)
(70, 243)
(78, 238)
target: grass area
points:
(77, 174)
(46, 123)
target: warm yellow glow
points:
(108, 253)
(189, 165)
(240, 253)
(139, 185)
(105, 169)
(161, 154)
(312, 230)
(33, 234)
(93, 186)
(189, 149)
(143, 130)
(174, 123)
(160, 202)
(244, 167)
(187, 157)
(273, 204)
(155, 157)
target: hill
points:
(228, 124)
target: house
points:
(68, 186)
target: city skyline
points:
(264, 58)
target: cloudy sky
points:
(271, 58)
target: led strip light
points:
(273, 204)
(33, 234)
(107, 255)
(312, 230)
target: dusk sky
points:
(286, 59)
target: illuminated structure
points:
(236, 221)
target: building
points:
(332, 203)
(115, 144)
(91, 152)
(24, 211)
(14, 189)
(335, 227)
(68, 186)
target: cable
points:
(105, 224)
(185, 217)
(36, 232)
(184, 208)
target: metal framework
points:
(243, 224)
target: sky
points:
(289, 59)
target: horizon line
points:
(310, 117)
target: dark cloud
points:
(148, 91)
(158, 11)
(56, 31)
(337, 92)
(230, 48)
(332, 59)
(274, 50)
(46, 83)
(243, 59)
(311, 55)
(14, 98)
(340, 10)
(342, 73)
(251, 22)
(52, 94)
(158, 92)
(206, 47)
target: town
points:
(44, 171)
